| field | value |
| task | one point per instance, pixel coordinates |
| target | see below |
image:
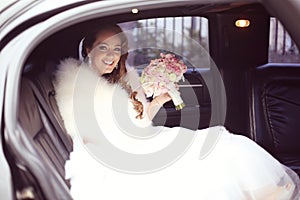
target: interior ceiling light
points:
(134, 10)
(242, 23)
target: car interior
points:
(262, 98)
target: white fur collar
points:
(82, 95)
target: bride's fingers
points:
(176, 86)
(163, 98)
(166, 97)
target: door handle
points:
(191, 85)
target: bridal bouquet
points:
(162, 75)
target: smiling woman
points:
(105, 52)
(113, 146)
(222, 61)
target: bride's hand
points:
(162, 99)
(156, 104)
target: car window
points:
(177, 35)
(282, 48)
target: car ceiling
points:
(189, 9)
(74, 33)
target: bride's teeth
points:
(108, 63)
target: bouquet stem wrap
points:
(175, 95)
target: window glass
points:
(282, 49)
(186, 37)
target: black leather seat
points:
(275, 111)
(49, 147)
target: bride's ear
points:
(88, 51)
(89, 59)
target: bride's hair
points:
(117, 75)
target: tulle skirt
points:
(236, 168)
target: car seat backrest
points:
(33, 118)
(275, 110)
(45, 93)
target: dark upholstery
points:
(44, 85)
(36, 124)
(275, 111)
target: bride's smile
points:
(105, 53)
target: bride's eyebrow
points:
(102, 43)
(117, 45)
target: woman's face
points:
(106, 52)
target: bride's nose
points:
(110, 54)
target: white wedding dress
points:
(122, 157)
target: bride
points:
(119, 154)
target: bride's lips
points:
(109, 63)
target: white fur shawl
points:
(86, 101)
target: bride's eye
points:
(103, 47)
(117, 49)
